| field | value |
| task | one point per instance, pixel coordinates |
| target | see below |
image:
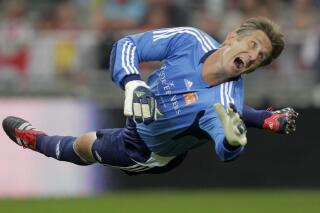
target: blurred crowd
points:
(63, 46)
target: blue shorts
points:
(123, 148)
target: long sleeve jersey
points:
(186, 118)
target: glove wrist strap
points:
(229, 146)
(129, 78)
(131, 85)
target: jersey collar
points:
(206, 55)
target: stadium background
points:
(54, 72)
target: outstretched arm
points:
(280, 121)
(126, 55)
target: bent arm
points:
(130, 51)
(126, 55)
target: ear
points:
(230, 38)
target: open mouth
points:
(239, 63)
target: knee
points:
(83, 146)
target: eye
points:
(253, 44)
(261, 57)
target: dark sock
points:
(254, 118)
(60, 148)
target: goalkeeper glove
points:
(281, 121)
(234, 128)
(139, 103)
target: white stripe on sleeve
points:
(127, 58)
(183, 31)
(123, 57)
(209, 41)
(132, 59)
(205, 42)
(209, 45)
(230, 92)
(226, 91)
(221, 94)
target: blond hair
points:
(271, 29)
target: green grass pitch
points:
(188, 201)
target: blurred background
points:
(54, 71)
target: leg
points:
(83, 146)
(114, 147)
(58, 147)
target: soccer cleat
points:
(281, 121)
(21, 132)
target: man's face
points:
(244, 54)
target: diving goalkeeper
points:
(196, 97)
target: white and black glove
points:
(234, 128)
(139, 103)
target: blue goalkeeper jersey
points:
(186, 118)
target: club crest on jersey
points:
(190, 98)
(188, 84)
